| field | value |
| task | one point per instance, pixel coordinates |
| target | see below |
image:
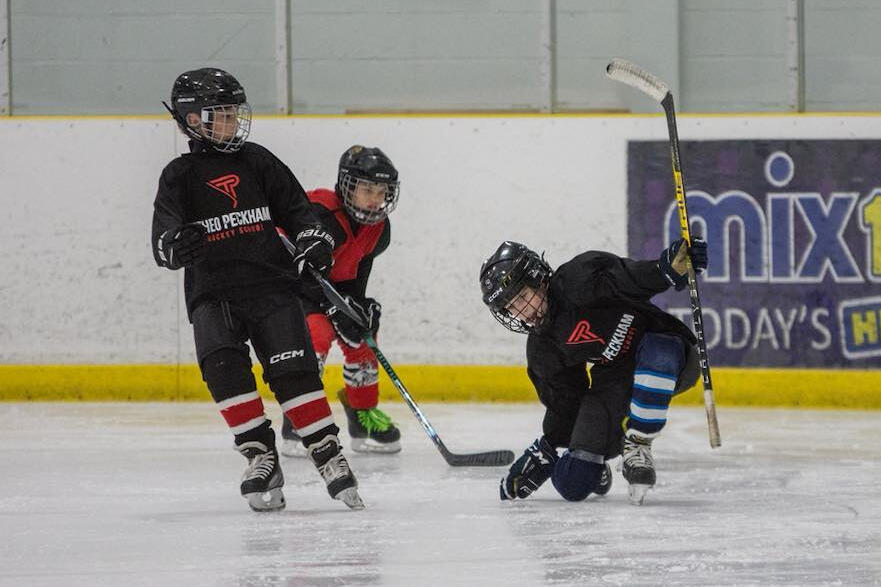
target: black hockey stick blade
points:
(494, 458)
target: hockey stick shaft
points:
(693, 292)
(634, 76)
(491, 458)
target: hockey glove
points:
(314, 247)
(672, 261)
(182, 246)
(527, 474)
(348, 330)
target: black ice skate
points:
(263, 479)
(371, 430)
(605, 483)
(637, 465)
(291, 442)
(334, 469)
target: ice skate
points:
(291, 442)
(334, 469)
(262, 480)
(638, 466)
(371, 430)
(605, 483)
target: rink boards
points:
(435, 383)
(88, 315)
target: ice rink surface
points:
(147, 494)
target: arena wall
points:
(86, 314)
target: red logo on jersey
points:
(582, 334)
(226, 185)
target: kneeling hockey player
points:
(604, 360)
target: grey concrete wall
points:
(842, 50)
(733, 55)
(120, 56)
(416, 55)
(590, 32)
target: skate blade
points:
(269, 501)
(369, 445)
(293, 449)
(638, 492)
(351, 498)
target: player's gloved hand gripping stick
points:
(350, 331)
(496, 458)
(636, 77)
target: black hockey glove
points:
(672, 261)
(314, 247)
(182, 246)
(346, 329)
(527, 474)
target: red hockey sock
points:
(243, 412)
(308, 412)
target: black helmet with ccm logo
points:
(219, 103)
(503, 276)
(371, 165)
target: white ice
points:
(147, 494)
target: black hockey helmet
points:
(219, 102)
(373, 167)
(503, 277)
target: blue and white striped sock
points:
(652, 392)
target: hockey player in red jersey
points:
(355, 213)
(215, 216)
(604, 360)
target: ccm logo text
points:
(285, 356)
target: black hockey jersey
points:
(599, 309)
(355, 249)
(239, 198)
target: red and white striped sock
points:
(309, 413)
(243, 412)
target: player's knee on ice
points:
(577, 474)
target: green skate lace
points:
(374, 420)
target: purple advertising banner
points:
(794, 235)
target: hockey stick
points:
(634, 76)
(496, 458)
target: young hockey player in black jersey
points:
(355, 213)
(604, 360)
(215, 215)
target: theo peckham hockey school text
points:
(233, 223)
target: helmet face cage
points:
(514, 322)
(348, 184)
(529, 270)
(225, 126)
